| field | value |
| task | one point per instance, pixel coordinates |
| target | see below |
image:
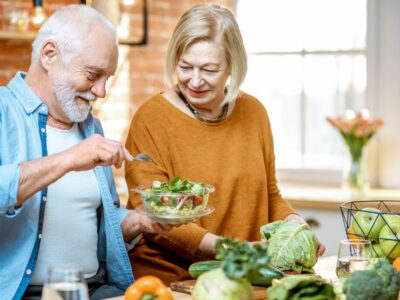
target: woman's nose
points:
(196, 80)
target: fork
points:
(143, 156)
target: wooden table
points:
(325, 267)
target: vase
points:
(355, 178)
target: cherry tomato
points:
(164, 199)
(197, 200)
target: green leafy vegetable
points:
(241, 260)
(176, 197)
(177, 185)
(301, 287)
(241, 264)
(291, 246)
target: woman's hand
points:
(296, 218)
(263, 241)
(300, 220)
(206, 249)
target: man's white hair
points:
(70, 27)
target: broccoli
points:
(365, 285)
(389, 275)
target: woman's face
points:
(202, 74)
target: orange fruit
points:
(396, 264)
(351, 234)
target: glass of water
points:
(65, 283)
(353, 255)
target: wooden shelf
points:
(17, 35)
(30, 36)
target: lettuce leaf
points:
(291, 246)
(301, 287)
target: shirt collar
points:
(28, 99)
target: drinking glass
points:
(352, 256)
(65, 283)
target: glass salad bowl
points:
(175, 202)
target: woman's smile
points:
(197, 94)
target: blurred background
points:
(308, 59)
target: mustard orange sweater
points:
(235, 156)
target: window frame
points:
(332, 176)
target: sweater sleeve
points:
(183, 240)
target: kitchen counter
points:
(325, 267)
(330, 197)
(320, 206)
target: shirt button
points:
(43, 108)
(29, 109)
(29, 272)
(44, 198)
(39, 236)
(43, 130)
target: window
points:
(307, 61)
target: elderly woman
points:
(205, 129)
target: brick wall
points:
(140, 72)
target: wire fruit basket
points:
(377, 221)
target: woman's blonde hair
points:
(209, 22)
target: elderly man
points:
(58, 202)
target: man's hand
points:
(88, 154)
(135, 224)
(95, 151)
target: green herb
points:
(241, 260)
(177, 185)
(241, 264)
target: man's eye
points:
(91, 76)
(184, 67)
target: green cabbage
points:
(215, 285)
(291, 246)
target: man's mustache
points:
(88, 96)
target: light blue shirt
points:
(23, 137)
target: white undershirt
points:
(69, 233)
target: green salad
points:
(176, 197)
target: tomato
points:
(197, 200)
(164, 199)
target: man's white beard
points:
(66, 95)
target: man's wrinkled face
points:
(82, 80)
(74, 104)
